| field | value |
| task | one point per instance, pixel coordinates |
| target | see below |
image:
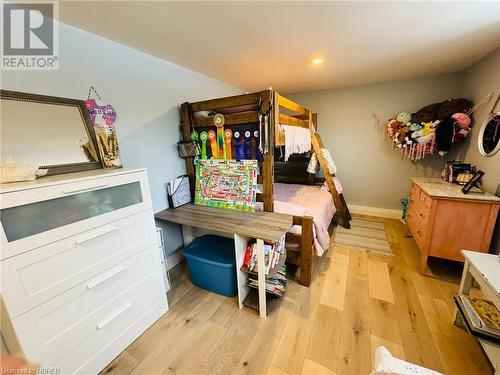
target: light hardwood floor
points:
(357, 301)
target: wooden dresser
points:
(443, 220)
(81, 276)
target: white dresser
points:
(81, 273)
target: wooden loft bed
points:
(244, 110)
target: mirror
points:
(53, 133)
(489, 135)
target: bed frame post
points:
(306, 252)
(186, 135)
(267, 99)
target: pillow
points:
(386, 364)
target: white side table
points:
(485, 269)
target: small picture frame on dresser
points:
(474, 181)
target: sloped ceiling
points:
(253, 45)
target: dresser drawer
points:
(417, 222)
(119, 324)
(415, 192)
(36, 217)
(32, 278)
(89, 307)
(418, 231)
(94, 348)
(419, 213)
(424, 199)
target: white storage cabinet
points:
(81, 273)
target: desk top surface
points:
(488, 265)
(438, 188)
(264, 225)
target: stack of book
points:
(482, 316)
(275, 285)
(273, 253)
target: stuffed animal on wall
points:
(392, 127)
(418, 133)
(426, 138)
(403, 117)
(461, 134)
(415, 127)
(431, 129)
(408, 141)
(428, 127)
(399, 139)
(426, 114)
(444, 135)
(451, 106)
(462, 120)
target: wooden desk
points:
(264, 226)
(485, 269)
(443, 220)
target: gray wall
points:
(145, 91)
(479, 80)
(373, 174)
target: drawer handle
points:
(422, 216)
(105, 276)
(94, 234)
(115, 314)
(419, 233)
(81, 188)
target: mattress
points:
(315, 201)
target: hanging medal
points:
(248, 145)
(240, 155)
(228, 135)
(196, 139)
(203, 139)
(219, 122)
(213, 144)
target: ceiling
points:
(254, 45)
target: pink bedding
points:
(303, 200)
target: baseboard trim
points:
(375, 211)
(174, 259)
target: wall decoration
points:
(226, 184)
(432, 129)
(103, 117)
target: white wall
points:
(373, 174)
(145, 91)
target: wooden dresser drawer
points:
(36, 217)
(425, 199)
(89, 306)
(415, 192)
(418, 216)
(419, 213)
(418, 230)
(27, 282)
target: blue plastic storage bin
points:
(212, 264)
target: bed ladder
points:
(340, 203)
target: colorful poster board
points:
(226, 184)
